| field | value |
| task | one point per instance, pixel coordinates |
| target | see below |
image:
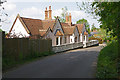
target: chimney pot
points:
(49, 7)
(46, 8)
(50, 13)
(46, 14)
(66, 17)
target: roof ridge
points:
(30, 18)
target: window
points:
(84, 38)
(75, 39)
(71, 40)
(60, 40)
(57, 41)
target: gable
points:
(57, 27)
(83, 30)
(76, 33)
(48, 34)
(18, 29)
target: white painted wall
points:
(18, 29)
(81, 39)
(72, 37)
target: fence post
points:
(2, 37)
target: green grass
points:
(107, 61)
(9, 62)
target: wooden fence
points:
(16, 47)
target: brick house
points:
(59, 32)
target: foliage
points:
(109, 13)
(95, 38)
(0, 30)
(2, 13)
(84, 21)
(63, 14)
(107, 62)
(93, 27)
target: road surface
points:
(79, 63)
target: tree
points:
(93, 27)
(109, 13)
(2, 13)
(84, 21)
(63, 14)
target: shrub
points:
(107, 61)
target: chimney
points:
(66, 18)
(46, 14)
(70, 20)
(50, 13)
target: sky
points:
(35, 9)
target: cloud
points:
(9, 6)
(32, 12)
(37, 13)
(56, 12)
(51, 0)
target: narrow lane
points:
(80, 63)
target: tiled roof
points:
(40, 27)
(59, 33)
(42, 33)
(48, 23)
(33, 25)
(65, 24)
(68, 30)
(37, 26)
(80, 27)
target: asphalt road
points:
(80, 63)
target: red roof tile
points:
(80, 27)
(68, 30)
(48, 23)
(59, 33)
(33, 25)
(37, 26)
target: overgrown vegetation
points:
(108, 14)
(10, 61)
(107, 61)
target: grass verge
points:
(107, 61)
(10, 62)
